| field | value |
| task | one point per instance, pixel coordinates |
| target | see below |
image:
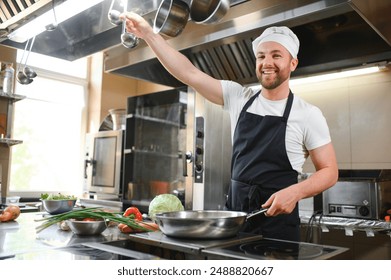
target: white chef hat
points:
(282, 35)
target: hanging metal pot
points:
(208, 11)
(171, 17)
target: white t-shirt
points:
(307, 128)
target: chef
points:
(273, 131)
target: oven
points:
(176, 142)
(359, 194)
(103, 164)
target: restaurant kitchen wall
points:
(358, 111)
(110, 91)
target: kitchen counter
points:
(20, 237)
(19, 240)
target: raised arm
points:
(175, 62)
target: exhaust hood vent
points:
(218, 61)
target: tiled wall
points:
(358, 111)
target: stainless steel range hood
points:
(334, 34)
(84, 34)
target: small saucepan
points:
(171, 17)
(203, 224)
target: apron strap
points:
(250, 101)
(288, 106)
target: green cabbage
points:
(164, 203)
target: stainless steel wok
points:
(203, 224)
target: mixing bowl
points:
(54, 207)
(87, 227)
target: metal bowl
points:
(87, 227)
(54, 207)
(206, 224)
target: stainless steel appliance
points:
(212, 154)
(359, 194)
(155, 146)
(103, 164)
(176, 142)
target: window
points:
(50, 122)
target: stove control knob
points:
(198, 168)
(364, 211)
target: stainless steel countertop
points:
(20, 236)
(19, 240)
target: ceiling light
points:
(335, 75)
(64, 11)
(381, 66)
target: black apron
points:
(260, 167)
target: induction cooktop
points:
(273, 249)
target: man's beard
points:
(270, 84)
(273, 83)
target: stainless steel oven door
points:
(103, 162)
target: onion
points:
(10, 213)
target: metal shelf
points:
(10, 99)
(153, 119)
(151, 153)
(13, 97)
(9, 142)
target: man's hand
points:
(136, 24)
(281, 202)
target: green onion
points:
(93, 212)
